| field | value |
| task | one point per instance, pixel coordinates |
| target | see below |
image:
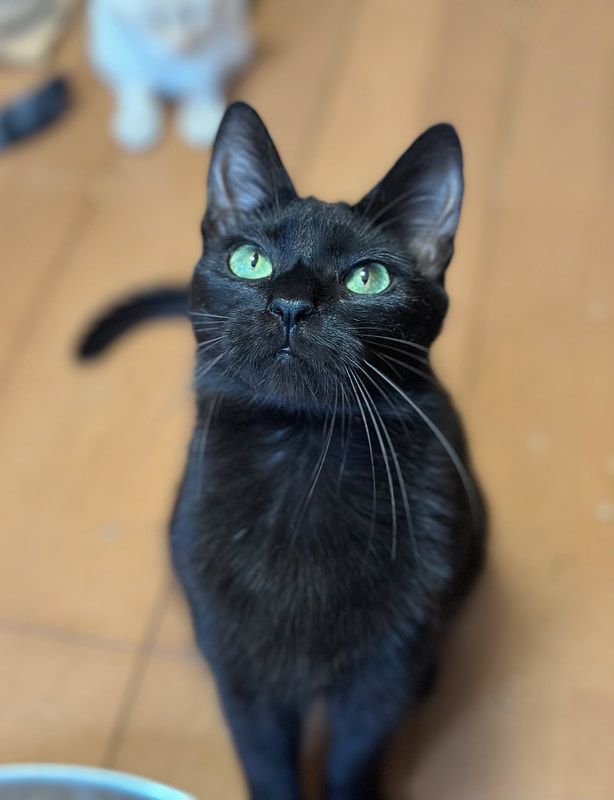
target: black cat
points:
(327, 524)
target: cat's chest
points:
(306, 520)
(293, 481)
(280, 531)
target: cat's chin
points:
(289, 381)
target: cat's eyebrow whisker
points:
(368, 227)
(409, 195)
(373, 224)
(452, 454)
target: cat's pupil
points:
(254, 260)
(364, 276)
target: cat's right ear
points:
(246, 173)
(419, 200)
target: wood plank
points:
(531, 715)
(58, 698)
(42, 191)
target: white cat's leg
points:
(198, 118)
(138, 120)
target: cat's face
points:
(294, 298)
(177, 25)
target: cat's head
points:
(294, 298)
(177, 25)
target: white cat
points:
(149, 51)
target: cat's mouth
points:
(296, 370)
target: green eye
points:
(247, 261)
(368, 279)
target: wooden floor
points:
(96, 660)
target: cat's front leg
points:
(138, 120)
(365, 712)
(266, 737)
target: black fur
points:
(164, 302)
(34, 111)
(327, 524)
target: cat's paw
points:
(138, 120)
(198, 119)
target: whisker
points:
(393, 505)
(203, 443)
(409, 195)
(407, 342)
(411, 368)
(202, 345)
(400, 479)
(452, 454)
(302, 508)
(391, 367)
(394, 349)
(200, 372)
(346, 426)
(387, 223)
(208, 314)
(205, 323)
(373, 480)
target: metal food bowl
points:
(64, 782)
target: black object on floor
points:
(33, 112)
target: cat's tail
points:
(169, 301)
(30, 113)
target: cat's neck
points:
(240, 408)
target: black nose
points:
(290, 311)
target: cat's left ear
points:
(419, 200)
(246, 173)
